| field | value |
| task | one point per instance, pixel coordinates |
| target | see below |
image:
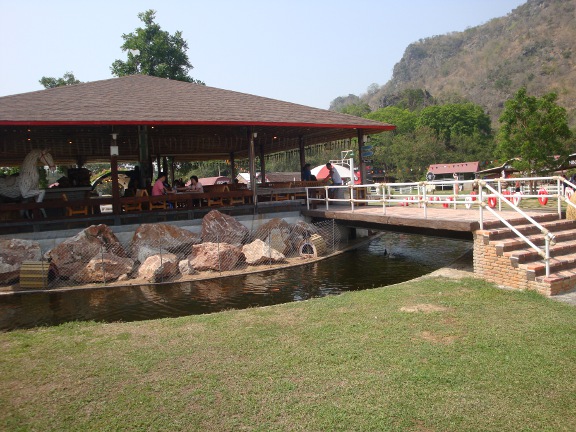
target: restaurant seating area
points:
(91, 209)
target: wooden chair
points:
(281, 196)
(237, 200)
(237, 187)
(135, 206)
(159, 205)
(76, 210)
(214, 199)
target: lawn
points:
(433, 354)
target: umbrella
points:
(321, 172)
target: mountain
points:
(534, 46)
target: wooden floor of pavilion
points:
(413, 219)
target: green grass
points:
(428, 355)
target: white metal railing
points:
(485, 194)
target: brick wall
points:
(495, 268)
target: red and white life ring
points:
(492, 201)
(516, 198)
(543, 199)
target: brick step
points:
(560, 282)
(561, 263)
(538, 239)
(541, 218)
(526, 255)
(528, 229)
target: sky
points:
(303, 51)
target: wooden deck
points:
(444, 221)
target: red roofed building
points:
(464, 170)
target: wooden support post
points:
(116, 210)
(144, 157)
(252, 164)
(233, 173)
(302, 152)
(362, 165)
(262, 165)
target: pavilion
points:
(140, 118)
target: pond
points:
(388, 259)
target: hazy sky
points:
(302, 51)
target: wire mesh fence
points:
(157, 253)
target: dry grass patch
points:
(424, 308)
(437, 338)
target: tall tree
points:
(403, 119)
(152, 51)
(450, 120)
(535, 130)
(67, 79)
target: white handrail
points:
(549, 238)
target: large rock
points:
(259, 252)
(215, 256)
(284, 237)
(12, 253)
(104, 268)
(276, 233)
(159, 268)
(151, 239)
(186, 268)
(72, 255)
(220, 228)
(301, 232)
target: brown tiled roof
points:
(184, 120)
(143, 99)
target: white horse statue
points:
(25, 184)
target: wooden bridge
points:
(500, 256)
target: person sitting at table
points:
(130, 191)
(159, 187)
(195, 185)
(306, 173)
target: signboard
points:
(367, 154)
(430, 176)
(366, 148)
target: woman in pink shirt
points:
(159, 188)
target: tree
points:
(403, 119)
(359, 110)
(410, 155)
(67, 79)
(450, 120)
(152, 51)
(535, 130)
